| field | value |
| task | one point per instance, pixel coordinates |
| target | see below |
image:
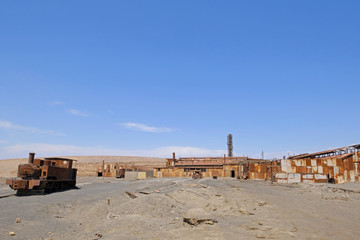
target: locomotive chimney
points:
(31, 157)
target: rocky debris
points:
(143, 192)
(245, 212)
(18, 220)
(186, 210)
(168, 195)
(11, 234)
(197, 221)
(344, 197)
(196, 216)
(111, 216)
(98, 236)
(131, 195)
(260, 236)
(261, 203)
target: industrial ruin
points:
(123, 170)
(338, 165)
(189, 197)
(207, 167)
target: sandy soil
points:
(87, 165)
(184, 209)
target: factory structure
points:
(206, 167)
(338, 165)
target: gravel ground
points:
(182, 208)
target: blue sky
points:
(151, 77)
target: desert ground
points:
(184, 208)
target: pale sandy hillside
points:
(87, 165)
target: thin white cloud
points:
(146, 128)
(7, 125)
(44, 149)
(77, 112)
(54, 103)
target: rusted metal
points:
(120, 173)
(40, 175)
(115, 169)
(336, 166)
(31, 157)
(230, 145)
(328, 153)
(196, 175)
(207, 166)
(131, 194)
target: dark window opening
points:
(99, 174)
(44, 173)
(232, 173)
(203, 169)
(52, 163)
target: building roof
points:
(332, 152)
(213, 161)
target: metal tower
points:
(230, 145)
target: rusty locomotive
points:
(44, 175)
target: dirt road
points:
(184, 209)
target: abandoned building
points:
(123, 170)
(207, 167)
(114, 169)
(336, 166)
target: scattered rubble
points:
(184, 208)
(98, 236)
(197, 221)
(131, 194)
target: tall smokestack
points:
(173, 155)
(31, 157)
(230, 145)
